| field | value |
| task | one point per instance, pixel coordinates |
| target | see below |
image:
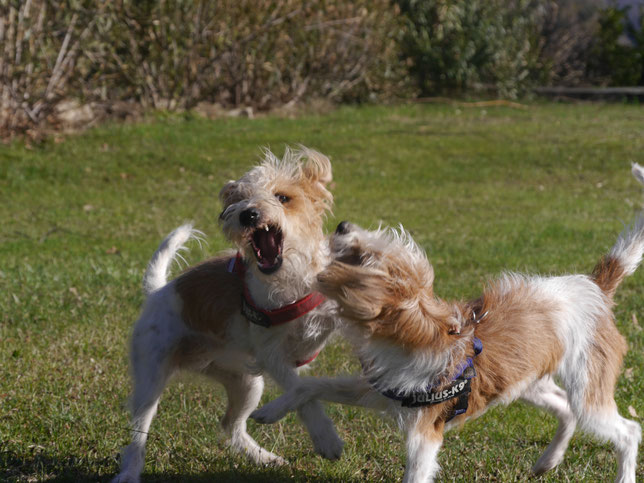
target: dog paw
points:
(538, 470)
(269, 413)
(266, 458)
(329, 445)
(275, 460)
(545, 464)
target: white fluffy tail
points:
(626, 255)
(155, 274)
(630, 246)
(638, 172)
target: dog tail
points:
(155, 274)
(638, 172)
(622, 260)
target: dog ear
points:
(226, 193)
(317, 167)
(361, 292)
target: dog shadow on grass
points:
(243, 476)
(42, 466)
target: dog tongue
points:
(268, 246)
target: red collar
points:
(310, 359)
(282, 315)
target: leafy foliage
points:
(173, 54)
(567, 34)
(41, 45)
(456, 45)
(617, 56)
(111, 59)
(248, 52)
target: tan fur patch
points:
(411, 315)
(431, 423)
(604, 364)
(210, 295)
(359, 293)
(608, 274)
(425, 323)
(519, 339)
(397, 304)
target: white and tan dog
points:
(236, 317)
(435, 364)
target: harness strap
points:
(459, 387)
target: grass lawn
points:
(546, 189)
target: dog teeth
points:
(266, 228)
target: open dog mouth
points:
(267, 246)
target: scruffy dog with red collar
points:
(435, 364)
(235, 317)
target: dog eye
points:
(282, 198)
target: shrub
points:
(567, 34)
(456, 45)
(617, 53)
(259, 53)
(40, 46)
(175, 53)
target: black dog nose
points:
(249, 217)
(343, 228)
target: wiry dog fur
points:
(534, 328)
(274, 215)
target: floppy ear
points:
(361, 292)
(227, 191)
(317, 167)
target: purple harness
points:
(460, 386)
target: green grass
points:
(543, 190)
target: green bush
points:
(566, 37)
(617, 55)
(175, 53)
(41, 44)
(259, 53)
(456, 45)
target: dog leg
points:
(244, 392)
(606, 423)
(149, 382)
(326, 441)
(423, 442)
(547, 395)
(354, 391)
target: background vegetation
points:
(543, 189)
(75, 62)
(118, 57)
(455, 46)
